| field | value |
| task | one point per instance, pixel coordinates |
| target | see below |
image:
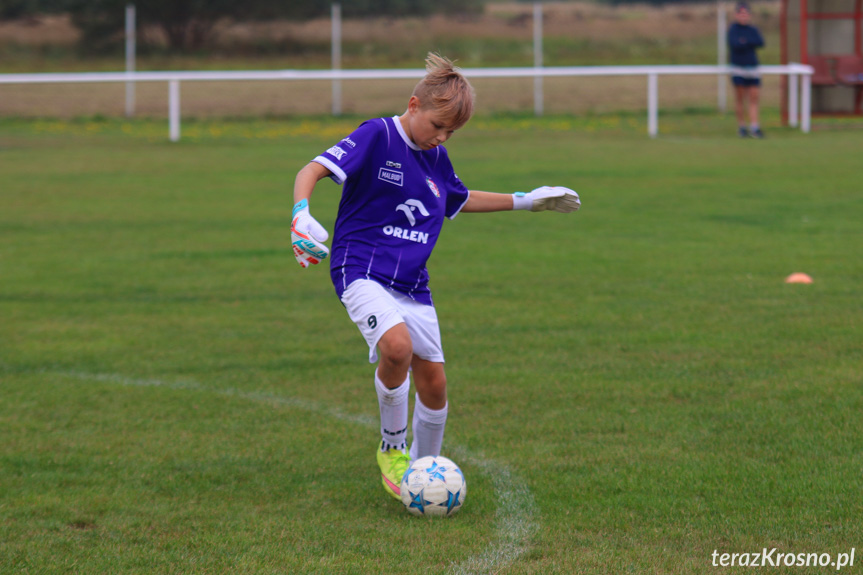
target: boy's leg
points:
(395, 353)
(754, 97)
(376, 314)
(430, 408)
(392, 384)
(740, 108)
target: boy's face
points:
(743, 16)
(427, 128)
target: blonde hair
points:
(446, 90)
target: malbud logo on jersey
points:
(349, 142)
(336, 152)
(432, 186)
(391, 176)
(409, 207)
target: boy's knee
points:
(436, 393)
(431, 385)
(396, 349)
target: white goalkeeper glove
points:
(555, 198)
(308, 236)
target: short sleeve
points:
(349, 155)
(456, 195)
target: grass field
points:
(632, 386)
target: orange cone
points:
(798, 278)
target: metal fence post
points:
(174, 110)
(337, 56)
(722, 55)
(130, 59)
(537, 58)
(652, 105)
(793, 94)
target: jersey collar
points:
(404, 136)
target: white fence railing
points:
(799, 84)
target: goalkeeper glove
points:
(307, 236)
(555, 198)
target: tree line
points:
(188, 24)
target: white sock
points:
(428, 427)
(393, 404)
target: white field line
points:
(516, 514)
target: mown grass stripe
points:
(516, 511)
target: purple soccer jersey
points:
(394, 201)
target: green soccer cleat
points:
(393, 464)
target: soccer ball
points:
(433, 487)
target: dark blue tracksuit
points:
(742, 43)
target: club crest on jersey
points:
(432, 186)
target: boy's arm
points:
(743, 40)
(306, 179)
(759, 39)
(479, 202)
(555, 198)
(307, 235)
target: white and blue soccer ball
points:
(433, 486)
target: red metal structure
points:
(827, 35)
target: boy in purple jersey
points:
(398, 187)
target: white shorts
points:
(376, 309)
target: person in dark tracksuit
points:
(743, 40)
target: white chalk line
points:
(516, 510)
